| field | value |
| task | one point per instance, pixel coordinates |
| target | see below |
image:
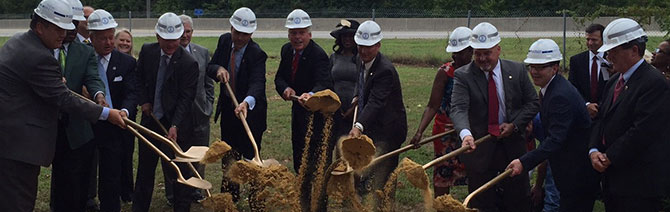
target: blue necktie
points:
(160, 79)
(103, 76)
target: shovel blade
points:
(196, 183)
(180, 159)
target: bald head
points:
(81, 27)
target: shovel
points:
(348, 169)
(190, 165)
(193, 182)
(194, 154)
(486, 186)
(455, 152)
(257, 158)
(401, 150)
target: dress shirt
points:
(238, 60)
(497, 78)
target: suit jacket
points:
(31, 95)
(635, 133)
(566, 124)
(249, 81)
(579, 76)
(123, 83)
(469, 110)
(81, 68)
(312, 75)
(179, 86)
(383, 114)
(204, 96)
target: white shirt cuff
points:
(104, 114)
(125, 110)
(359, 126)
(251, 101)
(464, 132)
(587, 103)
(592, 150)
(96, 94)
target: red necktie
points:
(294, 65)
(493, 127)
(594, 80)
(617, 89)
(232, 69)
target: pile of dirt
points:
(325, 101)
(416, 175)
(220, 202)
(447, 203)
(275, 184)
(317, 185)
(358, 151)
(215, 152)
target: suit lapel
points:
(111, 67)
(481, 81)
(630, 83)
(70, 59)
(506, 79)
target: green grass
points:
(423, 54)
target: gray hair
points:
(186, 19)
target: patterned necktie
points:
(360, 86)
(232, 68)
(103, 76)
(160, 79)
(493, 122)
(294, 65)
(594, 80)
(617, 88)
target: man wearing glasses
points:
(661, 58)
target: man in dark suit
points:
(118, 73)
(303, 70)
(238, 60)
(629, 140)
(565, 124)
(168, 78)
(74, 151)
(381, 111)
(202, 106)
(590, 83)
(32, 94)
(493, 96)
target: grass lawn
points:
(422, 55)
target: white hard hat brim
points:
(607, 47)
(171, 36)
(369, 42)
(110, 26)
(489, 45)
(456, 48)
(248, 30)
(539, 61)
(78, 18)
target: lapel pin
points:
(114, 68)
(510, 76)
(626, 87)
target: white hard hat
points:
(169, 26)
(620, 31)
(298, 19)
(101, 20)
(484, 36)
(243, 20)
(77, 10)
(543, 51)
(459, 39)
(57, 12)
(368, 33)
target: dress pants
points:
(70, 174)
(512, 194)
(146, 171)
(18, 187)
(109, 139)
(199, 137)
(375, 177)
(127, 150)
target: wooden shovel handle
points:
(408, 147)
(455, 152)
(245, 124)
(486, 186)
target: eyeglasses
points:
(538, 67)
(661, 51)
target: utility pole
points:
(148, 8)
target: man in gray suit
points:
(493, 96)
(32, 94)
(204, 98)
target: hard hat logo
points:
(170, 29)
(453, 42)
(105, 21)
(296, 20)
(365, 36)
(245, 23)
(481, 38)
